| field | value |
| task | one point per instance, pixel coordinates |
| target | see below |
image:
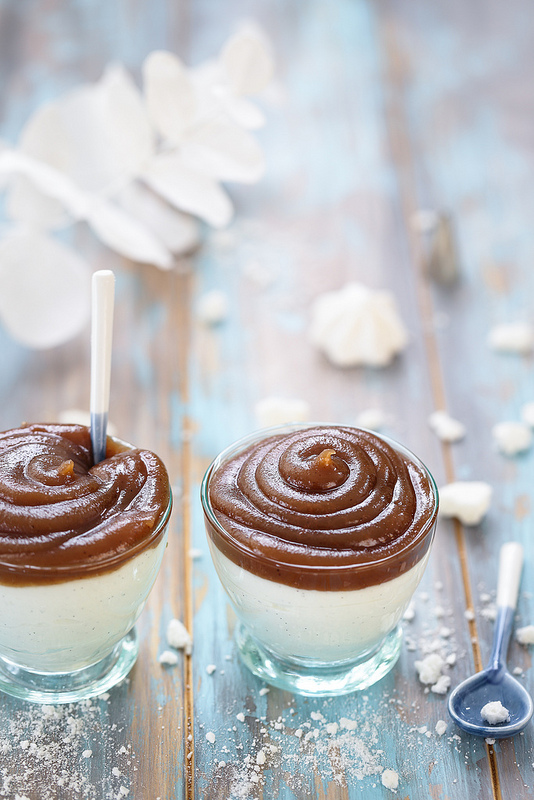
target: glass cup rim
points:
(103, 565)
(242, 443)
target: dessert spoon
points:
(102, 297)
(495, 682)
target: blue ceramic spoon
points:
(495, 682)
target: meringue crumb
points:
(468, 501)
(445, 427)
(525, 635)
(494, 712)
(210, 737)
(210, 669)
(179, 637)
(513, 337)
(441, 727)
(390, 779)
(168, 658)
(278, 410)
(512, 437)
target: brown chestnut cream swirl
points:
(311, 502)
(60, 516)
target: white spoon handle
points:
(510, 565)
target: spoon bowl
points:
(467, 700)
(495, 683)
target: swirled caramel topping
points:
(305, 507)
(60, 516)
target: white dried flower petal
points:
(45, 297)
(169, 93)
(178, 232)
(468, 501)
(47, 179)
(223, 151)
(114, 227)
(357, 325)
(44, 138)
(125, 119)
(126, 235)
(187, 190)
(240, 110)
(248, 61)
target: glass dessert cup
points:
(65, 637)
(338, 638)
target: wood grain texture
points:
(381, 109)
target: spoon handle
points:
(510, 565)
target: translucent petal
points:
(126, 119)
(169, 93)
(242, 111)
(216, 98)
(43, 138)
(180, 233)
(223, 151)
(188, 190)
(45, 297)
(248, 60)
(127, 235)
(97, 134)
(48, 180)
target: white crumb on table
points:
(468, 501)
(210, 669)
(195, 552)
(512, 337)
(512, 437)
(210, 737)
(87, 754)
(240, 716)
(278, 410)
(429, 668)
(525, 635)
(441, 727)
(390, 779)
(527, 413)
(495, 713)
(263, 691)
(442, 685)
(409, 614)
(446, 427)
(212, 307)
(373, 419)
(168, 658)
(424, 220)
(179, 637)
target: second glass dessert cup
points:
(311, 628)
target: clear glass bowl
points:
(307, 640)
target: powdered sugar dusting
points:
(49, 752)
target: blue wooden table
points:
(383, 109)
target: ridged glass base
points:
(319, 679)
(69, 687)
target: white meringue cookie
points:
(357, 326)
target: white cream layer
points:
(309, 624)
(66, 626)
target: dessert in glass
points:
(80, 549)
(320, 535)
